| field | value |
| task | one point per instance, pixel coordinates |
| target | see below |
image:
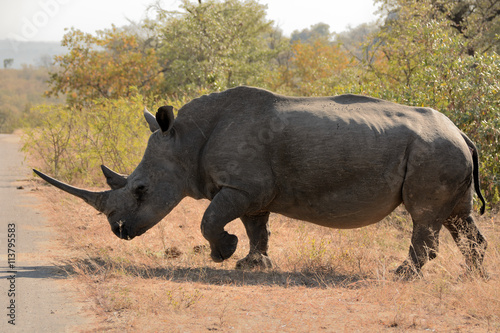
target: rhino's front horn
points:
(95, 199)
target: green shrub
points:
(72, 143)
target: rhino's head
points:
(137, 202)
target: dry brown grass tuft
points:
(323, 280)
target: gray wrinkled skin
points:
(340, 162)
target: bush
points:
(72, 143)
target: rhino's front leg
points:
(227, 205)
(257, 228)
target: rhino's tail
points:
(475, 160)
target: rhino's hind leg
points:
(470, 241)
(437, 182)
(467, 235)
(429, 213)
(257, 228)
(424, 246)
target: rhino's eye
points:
(139, 192)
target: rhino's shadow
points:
(219, 276)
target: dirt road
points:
(34, 293)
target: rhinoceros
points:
(340, 162)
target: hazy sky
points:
(45, 20)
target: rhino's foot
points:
(407, 271)
(254, 260)
(224, 248)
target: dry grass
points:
(324, 279)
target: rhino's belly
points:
(336, 212)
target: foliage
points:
(74, 142)
(478, 21)
(316, 31)
(215, 45)
(104, 66)
(314, 68)
(352, 40)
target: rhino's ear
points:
(165, 118)
(153, 124)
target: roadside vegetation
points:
(441, 54)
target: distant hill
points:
(29, 53)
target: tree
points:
(478, 21)
(318, 30)
(107, 65)
(215, 45)
(315, 68)
(8, 63)
(352, 39)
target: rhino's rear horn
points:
(95, 199)
(114, 179)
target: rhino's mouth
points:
(129, 228)
(119, 228)
(121, 231)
